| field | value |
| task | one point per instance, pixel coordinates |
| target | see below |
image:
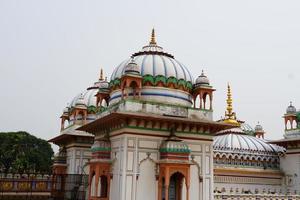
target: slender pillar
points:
(166, 192)
(210, 102)
(187, 191)
(201, 102)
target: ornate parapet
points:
(163, 109)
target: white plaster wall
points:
(146, 182)
(290, 165)
(77, 159)
(131, 160)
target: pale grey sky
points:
(52, 50)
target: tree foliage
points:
(24, 153)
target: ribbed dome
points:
(66, 110)
(60, 156)
(80, 103)
(239, 141)
(87, 97)
(172, 146)
(154, 63)
(101, 145)
(164, 79)
(202, 80)
(102, 84)
(258, 128)
(132, 68)
(291, 109)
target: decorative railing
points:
(256, 197)
(25, 183)
(55, 186)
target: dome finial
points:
(230, 116)
(101, 75)
(153, 40)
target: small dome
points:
(174, 146)
(89, 98)
(66, 110)
(291, 109)
(132, 68)
(61, 156)
(202, 80)
(101, 145)
(101, 84)
(258, 128)
(80, 102)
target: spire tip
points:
(153, 39)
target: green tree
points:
(23, 153)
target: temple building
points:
(149, 133)
(245, 163)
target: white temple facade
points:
(148, 133)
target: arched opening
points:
(103, 103)
(288, 125)
(66, 123)
(176, 186)
(79, 115)
(102, 186)
(294, 124)
(93, 185)
(197, 101)
(206, 101)
(133, 85)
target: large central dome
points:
(153, 61)
(164, 78)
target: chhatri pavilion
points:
(148, 133)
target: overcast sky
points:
(52, 50)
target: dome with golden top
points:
(164, 78)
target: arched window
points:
(66, 123)
(93, 186)
(206, 101)
(176, 186)
(294, 124)
(133, 86)
(197, 102)
(289, 125)
(103, 186)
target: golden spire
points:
(101, 75)
(153, 40)
(230, 116)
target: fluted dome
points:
(102, 84)
(291, 109)
(101, 145)
(80, 103)
(258, 128)
(236, 140)
(61, 156)
(132, 68)
(66, 110)
(202, 80)
(174, 146)
(164, 78)
(86, 97)
(155, 63)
